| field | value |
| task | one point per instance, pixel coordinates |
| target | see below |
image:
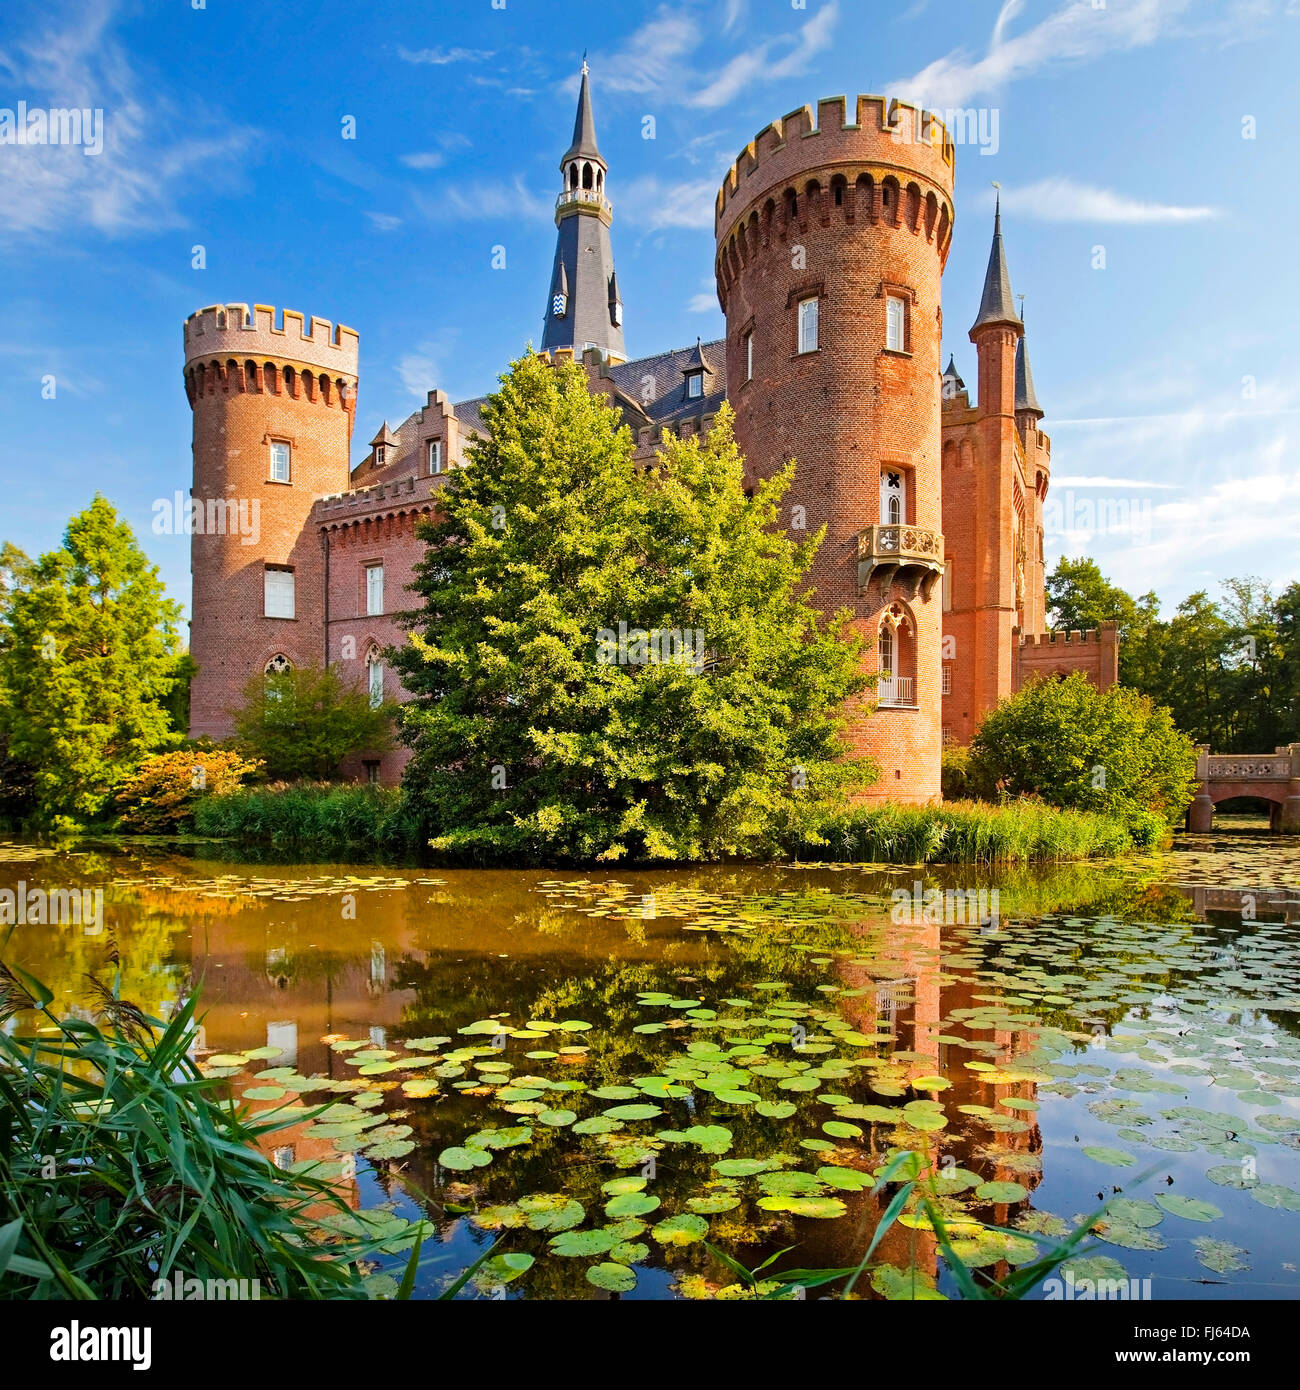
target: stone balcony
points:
(911, 554)
(580, 198)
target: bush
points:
(954, 773)
(1022, 832)
(1076, 747)
(304, 721)
(163, 791)
(320, 815)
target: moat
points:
(606, 1070)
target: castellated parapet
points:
(223, 331)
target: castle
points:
(832, 236)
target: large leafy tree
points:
(1080, 597)
(303, 722)
(89, 656)
(1073, 745)
(527, 742)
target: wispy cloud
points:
(706, 301)
(483, 200)
(154, 152)
(425, 159)
(1064, 200)
(1100, 480)
(654, 204)
(1075, 32)
(442, 57)
(384, 221)
(767, 62)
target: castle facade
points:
(832, 235)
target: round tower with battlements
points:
(832, 237)
(273, 411)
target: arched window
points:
(375, 677)
(279, 665)
(893, 498)
(896, 659)
(573, 176)
(587, 176)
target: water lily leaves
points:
(615, 1093)
(615, 1187)
(1130, 1211)
(461, 1160)
(265, 1093)
(228, 1059)
(775, 1110)
(628, 1252)
(1232, 1175)
(507, 1216)
(684, 1229)
(875, 1114)
(790, 1184)
(389, 1148)
(846, 1179)
(633, 1112)
(930, 1083)
(1112, 1158)
(822, 1208)
(1001, 1192)
(503, 1269)
(711, 1205)
(557, 1119)
(597, 1124)
(1219, 1255)
(736, 1097)
(551, 1211)
(421, 1088)
(1192, 1208)
(507, 1138)
(841, 1129)
(631, 1204)
(712, 1139)
(616, 1278)
(898, 1285)
(577, 1243)
(1274, 1195)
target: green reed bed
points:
(303, 815)
(969, 832)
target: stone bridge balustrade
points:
(1273, 777)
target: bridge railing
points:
(1281, 765)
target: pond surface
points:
(605, 1070)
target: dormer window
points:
(695, 385)
(381, 452)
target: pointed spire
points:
(697, 361)
(951, 372)
(584, 125)
(1026, 396)
(385, 436)
(996, 304)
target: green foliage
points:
(89, 659)
(163, 791)
(120, 1164)
(1229, 670)
(954, 773)
(324, 817)
(527, 744)
(1020, 832)
(304, 721)
(1113, 752)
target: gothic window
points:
(893, 498)
(895, 324)
(587, 176)
(374, 588)
(278, 665)
(808, 325)
(280, 454)
(896, 659)
(887, 650)
(375, 677)
(749, 356)
(435, 456)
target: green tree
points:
(1080, 597)
(531, 734)
(1073, 745)
(90, 655)
(303, 722)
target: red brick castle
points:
(832, 235)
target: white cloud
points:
(650, 60)
(1074, 33)
(759, 64)
(425, 159)
(482, 200)
(1063, 200)
(153, 152)
(653, 205)
(1095, 480)
(706, 302)
(441, 57)
(384, 221)
(422, 370)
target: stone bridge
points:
(1272, 777)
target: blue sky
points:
(1170, 377)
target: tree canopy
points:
(610, 661)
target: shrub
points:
(163, 791)
(304, 721)
(954, 774)
(1074, 746)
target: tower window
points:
(695, 385)
(895, 324)
(375, 678)
(749, 356)
(374, 588)
(893, 498)
(278, 593)
(808, 325)
(279, 461)
(435, 456)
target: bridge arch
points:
(1272, 777)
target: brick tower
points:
(273, 411)
(832, 240)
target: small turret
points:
(996, 305)
(1026, 396)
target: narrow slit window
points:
(808, 325)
